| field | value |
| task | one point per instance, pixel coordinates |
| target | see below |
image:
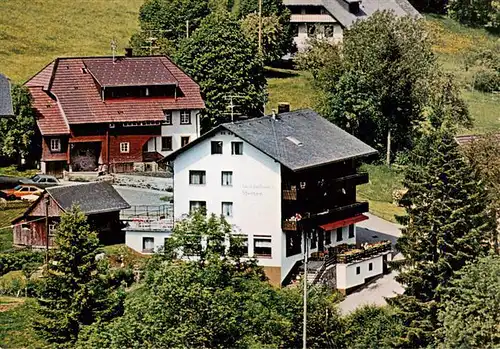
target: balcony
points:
(290, 194)
(289, 225)
(344, 254)
(354, 179)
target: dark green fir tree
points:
(77, 289)
(447, 225)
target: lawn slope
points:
(34, 32)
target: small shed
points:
(100, 202)
(5, 97)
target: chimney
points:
(128, 52)
(283, 107)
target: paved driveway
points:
(375, 229)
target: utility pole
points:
(388, 159)
(187, 28)
(304, 329)
(47, 201)
(113, 48)
(260, 27)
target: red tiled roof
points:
(79, 99)
(50, 119)
(141, 71)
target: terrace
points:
(344, 254)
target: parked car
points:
(22, 190)
(9, 182)
(41, 181)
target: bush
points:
(120, 275)
(16, 260)
(487, 80)
(13, 283)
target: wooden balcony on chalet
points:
(309, 221)
(294, 194)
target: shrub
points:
(487, 80)
(13, 283)
(120, 275)
(16, 260)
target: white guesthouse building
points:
(274, 179)
(327, 19)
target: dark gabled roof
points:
(92, 198)
(5, 97)
(299, 140)
(141, 71)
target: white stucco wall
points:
(346, 273)
(255, 191)
(133, 239)
(176, 131)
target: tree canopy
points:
(77, 290)
(382, 79)
(448, 224)
(18, 131)
(240, 73)
(471, 306)
(200, 293)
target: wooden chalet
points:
(107, 113)
(100, 202)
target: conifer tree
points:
(76, 289)
(447, 225)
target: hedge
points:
(16, 260)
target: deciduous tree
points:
(448, 224)
(76, 290)
(223, 61)
(18, 131)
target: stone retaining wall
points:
(145, 182)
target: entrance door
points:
(385, 268)
(321, 240)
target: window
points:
(351, 231)
(293, 243)
(311, 30)
(55, 144)
(184, 141)
(216, 147)
(148, 245)
(168, 117)
(314, 239)
(237, 148)
(227, 178)
(166, 143)
(227, 209)
(197, 205)
(262, 246)
(370, 266)
(197, 177)
(328, 31)
(52, 229)
(185, 117)
(328, 237)
(124, 147)
(239, 245)
(339, 234)
(358, 270)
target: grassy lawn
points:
(34, 32)
(378, 192)
(289, 86)
(15, 324)
(13, 171)
(7, 214)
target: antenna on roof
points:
(113, 48)
(152, 40)
(231, 105)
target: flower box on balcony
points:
(290, 194)
(290, 225)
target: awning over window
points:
(344, 222)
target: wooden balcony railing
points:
(290, 225)
(290, 194)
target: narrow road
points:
(375, 229)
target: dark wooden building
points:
(100, 202)
(110, 113)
